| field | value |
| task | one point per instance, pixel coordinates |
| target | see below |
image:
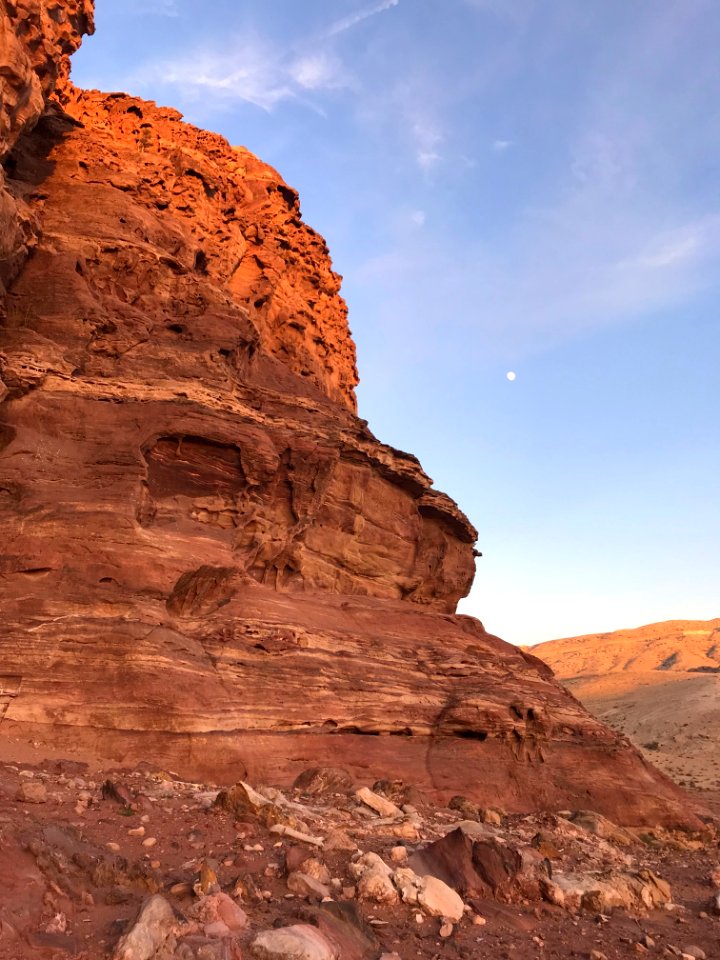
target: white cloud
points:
(319, 71)
(427, 159)
(427, 139)
(347, 23)
(683, 245)
(614, 228)
(563, 270)
(266, 76)
(418, 217)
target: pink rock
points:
(216, 929)
(230, 913)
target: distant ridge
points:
(659, 684)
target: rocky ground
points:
(136, 864)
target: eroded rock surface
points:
(36, 39)
(208, 559)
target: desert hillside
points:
(659, 684)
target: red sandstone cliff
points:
(36, 40)
(208, 559)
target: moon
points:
(511, 374)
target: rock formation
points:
(209, 561)
(36, 40)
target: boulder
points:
(32, 791)
(317, 781)
(343, 925)
(381, 805)
(374, 879)
(305, 886)
(600, 826)
(217, 911)
(299, 942)
(154, 925)
(480, 867)
(637, 892)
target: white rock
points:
(151, 929)
(377, 886)
(408, 883)
(285, 831)
(306, 886)
(368, 861)
(300, 942)
(386, 808)
(440, 900)
(398, 854)
(374, 879)
(255, 799)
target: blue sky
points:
(504, 185)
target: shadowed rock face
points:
(36, 39)
(208, 560)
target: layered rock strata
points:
(209, 561)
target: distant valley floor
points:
(659, 685)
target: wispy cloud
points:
(257, 80)
(603, 160)
(427, 139)
(681, 246)
(617, 224)
(353, 19)
(269, 74)
(564, 270)
(319, 71)
(266, 76)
